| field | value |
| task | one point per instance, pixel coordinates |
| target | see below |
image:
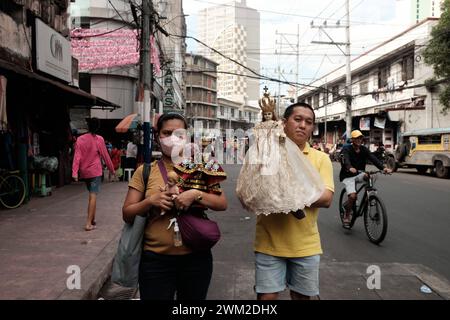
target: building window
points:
(364, 86)
(232, 113)
(408, 68)
(325, 96)
(335, 92)
(383, 75)
(315, 101)
(84, 82)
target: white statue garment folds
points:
(275, 176)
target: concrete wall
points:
(15, 38)
(119, 90)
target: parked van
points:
(423, 150)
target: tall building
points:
(233, 29)
(201, 91)
(105, 40)
(38, 91)
(422, 9)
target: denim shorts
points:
(299, 274)
(93, 184)
(350, 183)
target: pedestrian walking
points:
(90, 150)
(131, 155)
(115, 158)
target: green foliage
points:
(437, 52)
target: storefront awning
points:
(330, 118)
(75, 95)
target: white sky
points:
(372, 22)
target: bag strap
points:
(145, 175)
(163, 170)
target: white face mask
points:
(171, 146)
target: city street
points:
(418, 224)
(40, 240)
(417, 233)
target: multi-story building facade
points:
(105, 43)
(233, 115)
(233, 29)
(201, 91)
(106, 40)
(38, 88)
(389, 95)
(422, 9)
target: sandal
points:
(346, 221)
(89, 228)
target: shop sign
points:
(168, 89)
(380, 122)
(364, 123)
(53, 52)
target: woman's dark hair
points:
(290, 110)
(93, 125)
(169, 116)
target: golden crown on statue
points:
(267, 103)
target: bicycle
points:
(12, 189)
(370, 206)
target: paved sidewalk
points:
(40, 240)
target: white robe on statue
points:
(276, 176)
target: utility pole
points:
(147, 11)
(295, 46)
(348, 78)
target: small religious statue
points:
(171, 186)
(276, 177)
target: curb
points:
(95, 275)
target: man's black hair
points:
(169, 116)
(290, 110)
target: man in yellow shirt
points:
(287, 246)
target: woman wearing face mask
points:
(168, 268)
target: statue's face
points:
(267, 116)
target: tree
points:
(437, 54)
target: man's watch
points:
(199, 197)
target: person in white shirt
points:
(131, 155)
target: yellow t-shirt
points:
(283, 235)
(157, 237)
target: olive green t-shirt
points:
(157, 237)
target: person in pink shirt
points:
(90, 149)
